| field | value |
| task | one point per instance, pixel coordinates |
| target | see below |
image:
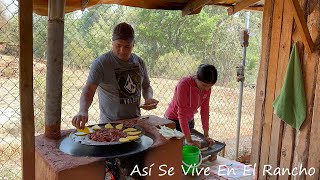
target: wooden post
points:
(281, 155)
(283, 59)
(54, 69)
(314, 155)
(271, 85)
(262, 84)
(309, 63)
(26, 90)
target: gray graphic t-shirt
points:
(119, 85)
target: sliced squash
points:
(132, 133)
(108, 126)
(80, 133)
(96, 127)
(129, 130)
(124, 139)
(132, 138)
(119, 126)
(84, 130)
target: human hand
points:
(80, 120)
(210, 141)
(150, 104)
(194, 143)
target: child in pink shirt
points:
(191, 93)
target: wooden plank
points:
(284, 52)
(240, 6)
(301, 24)
(309, 69)
(26, 90)
(287, 142)
(271, 84)
(193, 5)
(314, 155)
(287, 150)
(261, 84)
(251, 8)
(302, 137)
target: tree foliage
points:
(171, 45)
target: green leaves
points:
(161, 35)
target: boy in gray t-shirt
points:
(120, 77)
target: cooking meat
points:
(107, 135)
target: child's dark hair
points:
(207, 73)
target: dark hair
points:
(207, 73)
(123, 31)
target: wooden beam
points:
(302, 24)
(251, 8)
(240, 6)
(193, 6)
(26, 90)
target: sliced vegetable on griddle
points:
(132, 138)
(80, 133)
(132, 133)
(129, 130)
(124, 139)
(119, 126)
(84, 130)
(108, 126)
(96, 127)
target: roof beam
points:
(251, 8)
(193, 6)
(302, 24)
(240, 6)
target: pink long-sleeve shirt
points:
(186, 100)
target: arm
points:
(205, 115)
(86, 98)
(205, 119)
(183, 96)
(147, 92)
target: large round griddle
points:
(69, 146)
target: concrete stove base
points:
(52, 164)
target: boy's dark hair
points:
(207, 73)
(123, 31)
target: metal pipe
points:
(54, 68)
(244, 44)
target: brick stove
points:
(52, 164)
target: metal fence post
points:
(244, 44)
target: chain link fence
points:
(171, 45)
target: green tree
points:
(40, 31)
(161, 32)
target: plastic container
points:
(191, 158)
